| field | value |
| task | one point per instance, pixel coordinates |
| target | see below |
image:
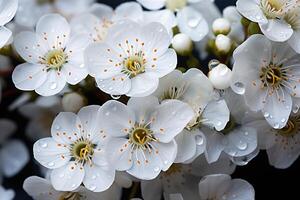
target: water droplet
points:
(276, 126)
(53, 86)
(238, 88)
(242, 145)
(193, 23)
(166, 162)
(258, 17)
(110, 88)
(224, 197)
(283, 120)
(57, 127)
(43, 144)
(73, 186)
(246, 133)
(51, 164)
(115, 96)
(81, 66)
(156, 169)
(266, 114)
(219, 123)
(94, 177)
(107, 113)
(199, 140)
(92, 187)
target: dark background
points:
(269, 183)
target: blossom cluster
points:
(121, 98)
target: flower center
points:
(70, 196)
(175, 92)
(134, 65)
(55, 59)
(293, 19)
(175, 4)
(82, 150)
(291, 128)
(277, 8)
(272, 76)
(140, 136)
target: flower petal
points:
(8, 10)
(143, 85)
(251, 10)
(5, 35)
(277, 30)
(152, 4)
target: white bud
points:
(182, 44)
(175, 4)
(223, 43)
(220, 76)
(72, 102)
(221, 26)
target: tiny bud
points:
(72, 102)
(175, 4)
(220, 76)
(223, 43)
(221, 26)
(182, 44)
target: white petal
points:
(66, 128)
(167, 153)
(102, 61)
(251, 10)
(213, 186)
(240, 189)
(152, 4)
(186, 145)
(214, 146)
(40, 189)
(117, 119)
(30, 46)
(143, 107)
(128, 10)
(98, 179)
(143, 85)
(6, 194)
(68, 177)
(277, 30)
(170, 118)
(74, 73)
(116, 85)
(217, 114)
(29, 76)
(294, 41)
(102, 11)
(231, 13)
(277, 109)
(119, 153)
(192, 23)
(54, 29)
(164, 64)
(54, 84)
(8, 10)
(47, 152)
(14, 156)
(5, 35)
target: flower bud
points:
(182, 44)
(223, 43)
(221, 26)
(72, 102)
(175, 4)
(220, 76)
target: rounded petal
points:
(66, 128)
(167, 153)
(8, 10)
(29, 76)
(128, 10)
(277, 30)
(214, 186)
(68, 177)
(169, 119)
(102, 11)
(47, 152)
(240, 189)
(14, 156)
(55, 29)
(186, 145)
(7, 194)
(116, 85)
(117, 119)
(251, 10)
(54, 84)
(214, 145)
(152, 4)
(143, 85)
(294, 41)
(74, 73)
(5, 35)
(192, 23)
(98, 179)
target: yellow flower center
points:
(82, 150)
(55, 59)
(134, 65)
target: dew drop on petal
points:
(92, 187)
(156, 169)
(276, 126)
(94, 177)
(283, 120)
(219, 123)
(53, 86)
(193, 22)
(43, 144)
(107, 113)
(73, 186)
(266, 114)
(199, 140)
(51, 164)
(57, 127)
(166, 162)
(246, 133)
(242, 145)
(239, 88)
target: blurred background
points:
(269, 183)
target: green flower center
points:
(55, 59)
(82, 150)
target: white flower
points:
(279, 20)
(7, 12)
(53, 57)
(282, 145)
(184, 178)
(221, 186)
(142, 134)
(194, 88)
(101, 18)
(41, 189)
(41, 114)
(267, 73)
(131, 62)
(6, 194)
(30, 11)
(13, 153)
(74, 152)
(170, 4)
